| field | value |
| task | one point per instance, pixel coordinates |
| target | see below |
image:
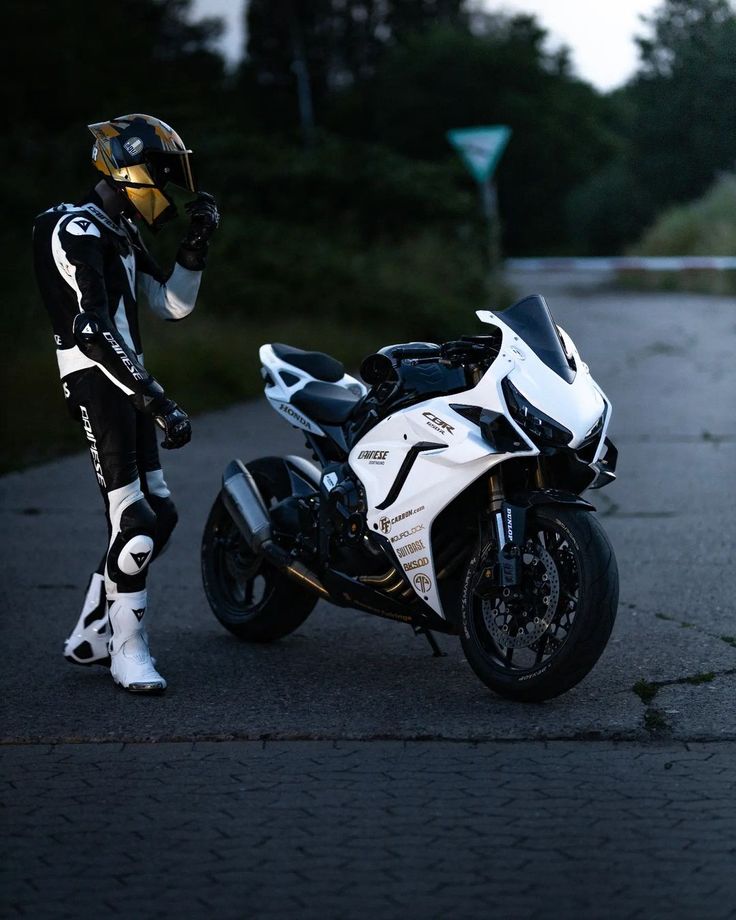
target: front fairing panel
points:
(576, 405)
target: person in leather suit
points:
(91, 263)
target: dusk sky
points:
(599, 32)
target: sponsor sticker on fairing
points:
(409, 549)
(416, 563)
(374, 457)
(397, 538)
(386, 523)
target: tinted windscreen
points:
(531, 321)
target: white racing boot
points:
(87, 643)
(131, 664)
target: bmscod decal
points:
(374, 456)
(439, 424)
(385, 523)
(406, 533)
(409, 549)
(422, 582)
(416, 563)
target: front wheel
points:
(538, 639)
(251, 598)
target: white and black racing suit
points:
(89, 268)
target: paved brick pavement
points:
(370, 829)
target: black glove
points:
(175, 424)
(204, 219)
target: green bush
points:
(706, 227)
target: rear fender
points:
(289, 475)
(304, 476)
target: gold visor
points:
(149, 202)
(133, 175)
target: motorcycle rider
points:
(88, 257)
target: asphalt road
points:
(349, 682)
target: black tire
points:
(251, 598)
(573, 634)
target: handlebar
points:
(453, 352)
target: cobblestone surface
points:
(370, 829)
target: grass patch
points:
(645, 690)
(706, 227)
(655, 721)
(705, 678)
(729, 640)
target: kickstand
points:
(436, 650)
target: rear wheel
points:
(251, 598)
(538, 639)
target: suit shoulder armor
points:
(80, 223)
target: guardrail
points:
(625, 263)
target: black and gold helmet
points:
(140, 155)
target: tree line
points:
(348, 221)
(328, 139)
(585, 170)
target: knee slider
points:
(132, 549)
(166, 520)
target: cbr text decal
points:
(438, 424)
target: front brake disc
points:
(510, 620)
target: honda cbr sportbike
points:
(446, 495)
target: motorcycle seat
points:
(316, 363)
(325, 402)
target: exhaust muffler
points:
(247, 508)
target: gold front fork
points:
(540, 480)
(495, 490)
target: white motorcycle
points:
(447, 496)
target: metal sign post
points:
(480, 149)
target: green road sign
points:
(480, 148)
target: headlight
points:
(595, 430)
(540, 427)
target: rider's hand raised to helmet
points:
(204, 219)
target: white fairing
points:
(449, 451)
(279, 392)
